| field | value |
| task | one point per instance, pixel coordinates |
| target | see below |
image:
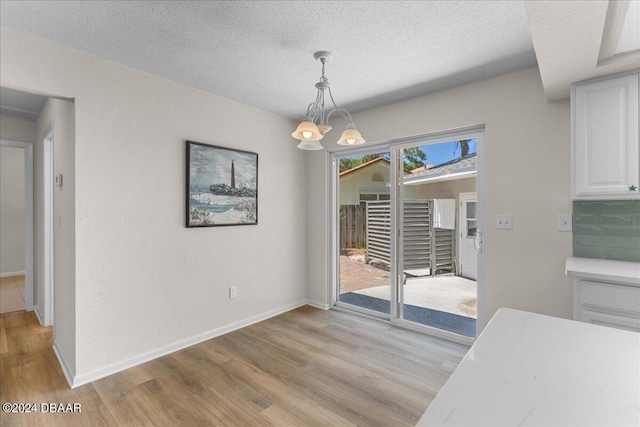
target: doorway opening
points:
(398, 223)
(16, 278)
(29, 118)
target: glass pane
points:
(433, 292)
(471, 227)
(384, 196)
(365, 254)
(471, 210)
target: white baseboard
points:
(13, 273)
(319, 305)
(63, 364)
(37, 312)
(179, 345)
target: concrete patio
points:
(446, 293)
(451, 294)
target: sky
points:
(212, 165)
(443, 152)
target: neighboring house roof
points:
(422, 168)
(370, 162)
(364, 165)
(462, 167)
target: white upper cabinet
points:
(604, 135)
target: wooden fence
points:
(352, 226)
(423, 247)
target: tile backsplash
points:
(607, 229)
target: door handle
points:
(477, 240)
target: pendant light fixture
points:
(312, 130)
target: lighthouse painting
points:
(222, 186)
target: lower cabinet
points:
(611, 320)
(607, 304)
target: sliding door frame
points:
(333, 242)
(431, 139)
(333, 204)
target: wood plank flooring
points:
(304, 367)
(11, 294)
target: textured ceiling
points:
(568, 37)
(260, 52)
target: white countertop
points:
(527, 369)
(604, 269)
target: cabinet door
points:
(606, 138)
(609, 296)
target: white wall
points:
(142, 280)
(12, 192)
(59, 115)
(528, 176)
(12, 210)
(445, 189)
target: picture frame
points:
(222, 186)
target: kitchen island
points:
(527, 369)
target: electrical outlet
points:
(503, 222)
(233, 292)
(565, 222)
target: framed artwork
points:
(222, 186)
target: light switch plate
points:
(503, 222)
(565, 222)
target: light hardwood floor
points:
(11, 294)
(304, 367)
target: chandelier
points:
(312, 130)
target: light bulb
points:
(351, 136)
(307, 131)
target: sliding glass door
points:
(402, 223)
